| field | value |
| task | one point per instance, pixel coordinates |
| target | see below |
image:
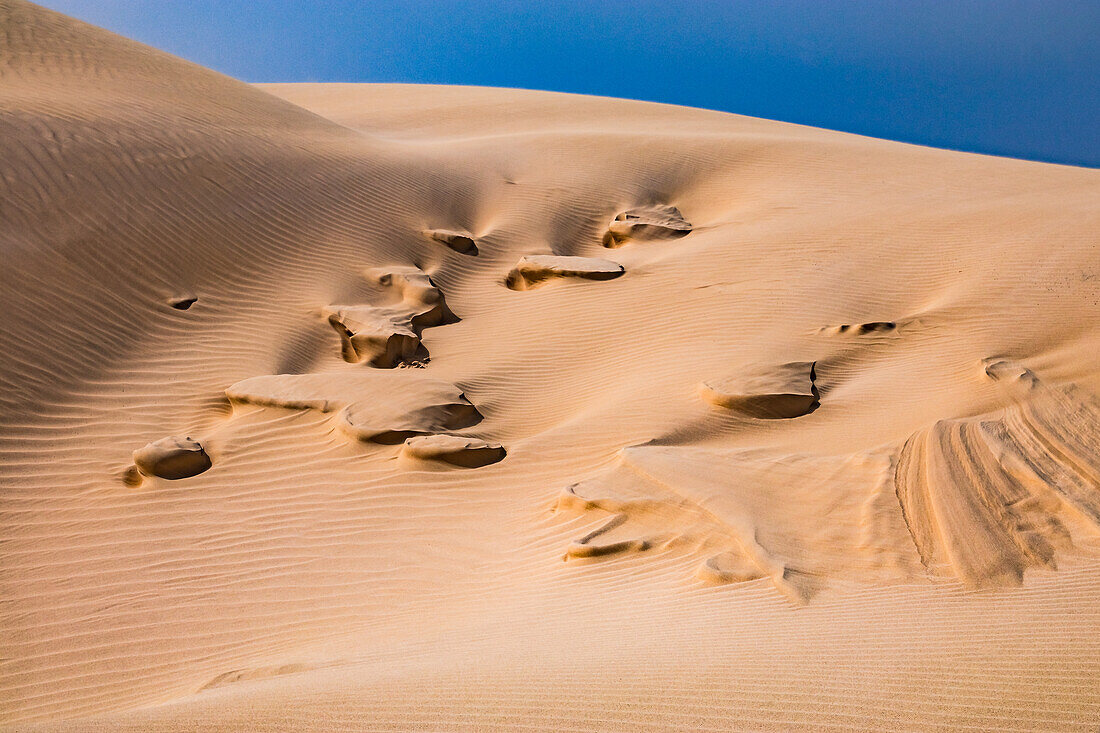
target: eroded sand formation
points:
(534, 270)
(823, 454)
(648, 222)
(771, 392)
(171, 458)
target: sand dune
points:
(787, 428)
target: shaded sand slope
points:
(823, 454)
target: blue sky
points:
(1007, 77)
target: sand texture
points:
(389, 407)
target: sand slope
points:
(529, 411)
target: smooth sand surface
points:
(826, 454)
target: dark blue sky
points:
(1008, 77)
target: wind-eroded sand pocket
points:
(183, 301)
(419, 300)
(461, 242)
(861, 329)
(372, 406)
(644, 223)
(370, 334)
(170, 458)
(770, 392)
(454, 450)
(534, 270)
(388, 334)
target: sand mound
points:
(920, 552)
(172, 458)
